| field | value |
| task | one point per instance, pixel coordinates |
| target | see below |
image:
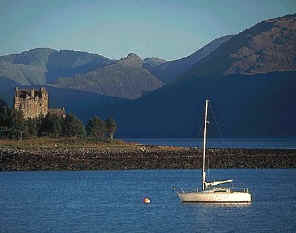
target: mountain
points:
(151, 62)
(244, 106)
(250, 80)
(35, 57)
(169, 71)
(129, 77)
(68, 63)
(268, 46)
(22, 74)
(83, 104)
(42, 65)
(125, 78)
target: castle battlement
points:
(33, 103)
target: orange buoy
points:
(147, 200)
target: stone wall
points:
(59, 112)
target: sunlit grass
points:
(43, 143)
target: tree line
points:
(13, 125)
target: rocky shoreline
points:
(143, 157)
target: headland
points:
(85, 154)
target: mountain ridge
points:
(259, 49)
(125, 78)
(256, 102)
(168, 72)
(43, 66)
(250, 78)
(48, 64)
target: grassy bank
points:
(74, 144)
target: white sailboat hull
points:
(210, 193)
(216, 197)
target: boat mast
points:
(204, 147)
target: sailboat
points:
(211, 191)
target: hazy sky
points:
(167, 29)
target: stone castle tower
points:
(33, 103)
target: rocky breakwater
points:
(141, 157)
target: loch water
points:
(112, 201)
(244, 143)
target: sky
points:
(168, 29)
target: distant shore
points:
(54, 155)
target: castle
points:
(34, 103)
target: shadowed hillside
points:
(245, 106)
(169, 71)
(83, 104)
(253, 91)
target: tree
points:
(5, 115)
(16, 124)
(31, 127)
(51, 125)
(3, 103)
(11, 119)
(73, 126)
(95, 127)
(110, 127)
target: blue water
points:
(112, 201)
(258, 143)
